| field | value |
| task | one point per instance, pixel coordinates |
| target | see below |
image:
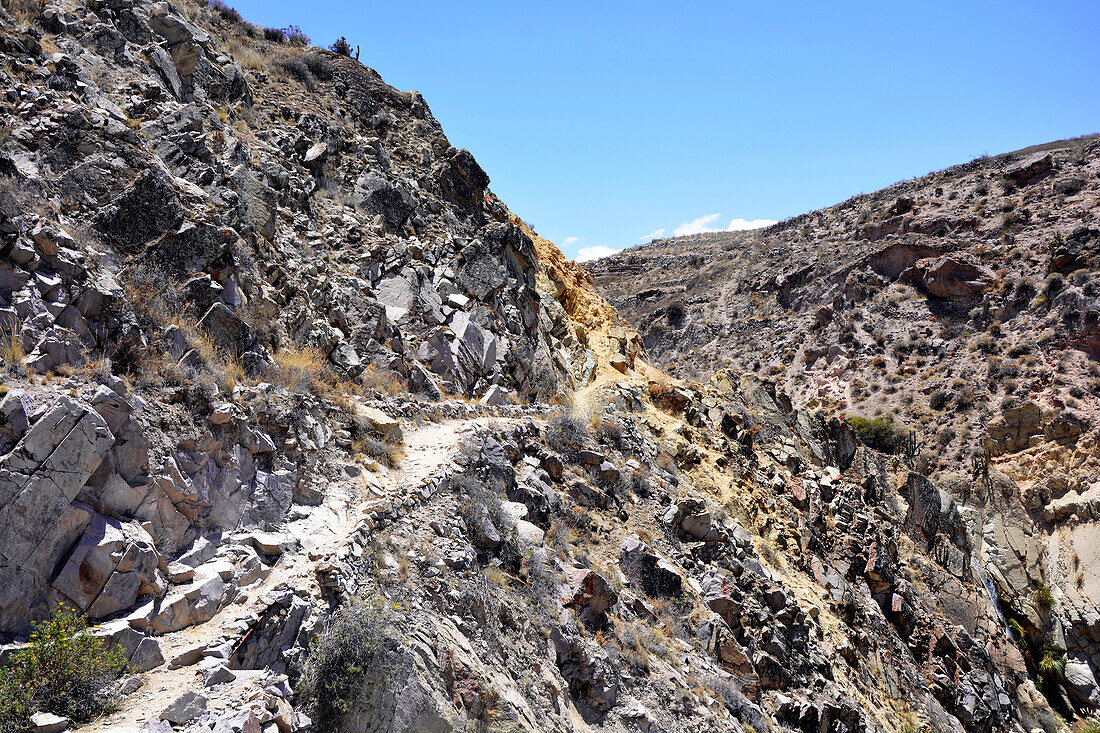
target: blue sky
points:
(601, 123)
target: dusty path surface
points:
(322, 531)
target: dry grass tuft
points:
(229, 372)
(388, 454)
(297, 368)
(386, 382)
(12, 352)
(245, 54)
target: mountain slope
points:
(323, 437)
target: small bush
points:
(25, 12)
(341, 46)
(318, 65)
(1044, 596)
(767, 551)
(388, 454)
(294, 36)
(247, 57)
(568, 435)
(608, 432)
(295, 68)
(1090, 724)
(64, 671)
(278, 35)
(1052, 666)
(339, 660)
(226, 12)
(938, 399)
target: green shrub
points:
(64, 671)
(878, 433)
(1052, 666)
(1044, 596)
(340, 660)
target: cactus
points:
(979, 466)
(909, 446)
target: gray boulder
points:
(147, 209)
(185, 708)
(377, 196)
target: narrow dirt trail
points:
(428, 448)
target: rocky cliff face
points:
(323, 437)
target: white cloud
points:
(702, 225)
(569, 240)
(698, 226)
(652, 235)
(740, 225)
(584, 254)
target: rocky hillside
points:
(970, 287)
(956, 318)
(317, 435)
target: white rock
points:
(48, 723)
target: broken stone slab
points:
(588, 589)
(201, 550)
(609, 473)
(147, 656)
(226, 329)
(590, 458)
(193, 604)
(952, 276)
(44, 473)
(376, 195)
(180, 573)
(245, 722)
(1030, 168)
(112, 564)
(271, 543)
(214, 672)
(691, 516)
(148, 209)
(187, 657)
(496, 395)
(57, 347)
(185, 708)
(375, 421)
(316, 155)
(1081, 683)
(221, 568)
(48, 723)
(657, 576)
